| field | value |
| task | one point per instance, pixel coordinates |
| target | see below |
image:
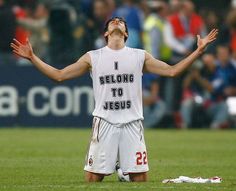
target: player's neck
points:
(116, 42)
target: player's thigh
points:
(132, 149)
(103, 149)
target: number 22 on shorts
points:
(141, 158)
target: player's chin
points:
(117, 30)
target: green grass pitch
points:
(53, 159)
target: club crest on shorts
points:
(90, 161)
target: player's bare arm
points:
(161, 68)
(72, 71)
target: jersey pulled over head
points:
(120, 21)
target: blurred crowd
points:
(62, 30)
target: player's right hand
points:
(22, 50)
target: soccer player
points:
(116, 72)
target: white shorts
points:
(111, 143)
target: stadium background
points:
(62, 31)
(70, 30)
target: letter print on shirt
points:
(116, 65)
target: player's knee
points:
(138, 177)
(93, 177)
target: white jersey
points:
(117, 84)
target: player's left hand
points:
(203, 42)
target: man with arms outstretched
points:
(116, 72)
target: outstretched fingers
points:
(14, 46)
(19, 54)
(211, 40)
(17, 42)
(213, 33)
(16, 52)
(20, 49)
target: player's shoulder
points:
(96, 52)
(140, 54)
(135, 50)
